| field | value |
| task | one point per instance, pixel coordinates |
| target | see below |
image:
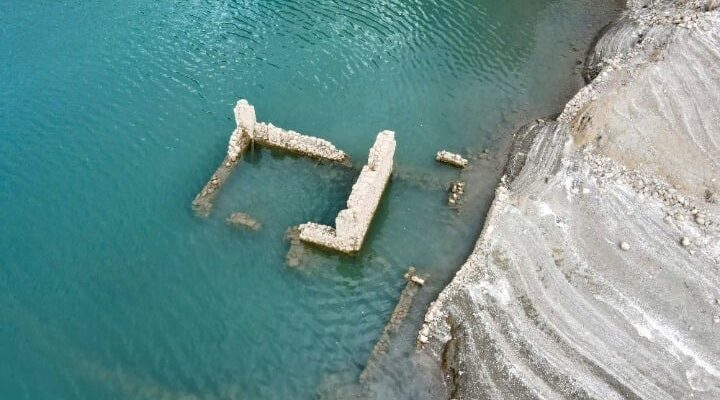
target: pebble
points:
(685, 241)
(700, 220)
(625, 246)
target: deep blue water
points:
(114, 114)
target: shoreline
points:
(594, 225)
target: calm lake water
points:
(113, 115)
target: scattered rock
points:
(625, 246)
(685, 241)
(243, 220)
(456, 190)
(294, 256)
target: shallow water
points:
(114, 114)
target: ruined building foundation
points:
(352, 223)
(249, 131)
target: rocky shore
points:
(597, 273)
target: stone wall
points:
(352, 223)
(269, 135)
(249, 131)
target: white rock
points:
(453, 159)
(420, 281)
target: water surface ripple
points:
(113, 116)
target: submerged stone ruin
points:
(352, 223)
(243, 220)
(455, 160)
(402, 308)
(248, 132)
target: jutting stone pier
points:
(250, 131)
(352, 223)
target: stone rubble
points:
(295, 254)
(241, 219)
(396, 318)
(457, 189)
(352, 223)
(456, 160)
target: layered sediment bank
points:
(352, 223)
(597, 273)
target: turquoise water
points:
(114, 114)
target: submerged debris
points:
(294, 256)
(396, 318)
(241, 219)
(456, 160)
(457, 189)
